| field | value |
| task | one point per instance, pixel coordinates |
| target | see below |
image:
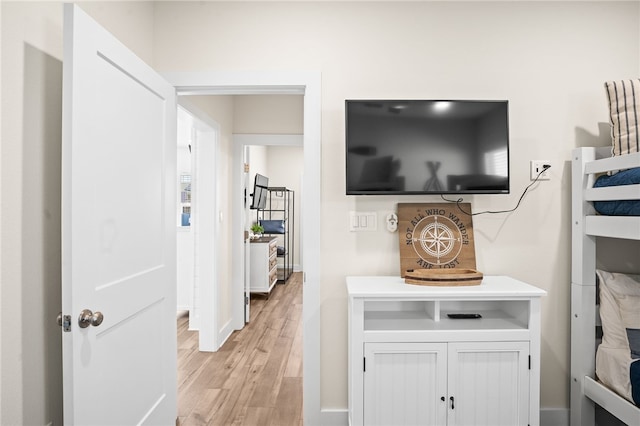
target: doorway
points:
(273, 82)
(203, 284)
(219, 388)
(279, 158)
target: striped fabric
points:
(624, 110)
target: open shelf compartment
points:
(432, 315)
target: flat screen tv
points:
(259, 196)
(401, 147)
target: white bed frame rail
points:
(586, 226)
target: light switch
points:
(363, 221)
(355, 223)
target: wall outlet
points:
(537, 166)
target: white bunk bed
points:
(586, 226)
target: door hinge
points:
(246, 300)
(364, 364)
(64, 321)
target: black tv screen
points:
(260, 185)
(427, 147)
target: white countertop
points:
(491, 287)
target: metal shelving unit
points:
(280, 207)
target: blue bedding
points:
(634, 378)
(619, 208)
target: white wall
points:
(268, 114)
(549, 59)
(285, 168)
(30, 361)
(220, 109)
(30, 270)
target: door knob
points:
(88, 318)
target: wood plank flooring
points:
(255, 378)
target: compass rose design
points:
(437, 240)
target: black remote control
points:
(464, 316)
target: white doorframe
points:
(273, 82)
(239, 247)
(240, 143)
(204, 206)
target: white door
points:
(405, 384)
(119, 151)
(489, 383)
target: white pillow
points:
(614, 287)
(624, 115)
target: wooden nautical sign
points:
(435, 235)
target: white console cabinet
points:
(410, 364)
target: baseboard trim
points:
(334, 417)
(554, 417)
(224, 334)
(548, 417)
(295, 268)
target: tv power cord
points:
(545, 167)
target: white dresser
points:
(411, 364)
(264, 264)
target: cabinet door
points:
(489, 383)
(405, 384)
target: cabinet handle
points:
(442, 398)
(451, 399)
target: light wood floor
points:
(256, 377)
